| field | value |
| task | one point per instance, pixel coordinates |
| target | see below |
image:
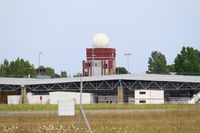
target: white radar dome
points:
(100, 40)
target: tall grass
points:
(171, 121)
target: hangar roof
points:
(141, 77)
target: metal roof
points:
(142, 77)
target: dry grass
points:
(173, 121)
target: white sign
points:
(66, 108)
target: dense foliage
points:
(21, 68)
(188, 62)
(17, 68)
(157, 63)
(121, 70)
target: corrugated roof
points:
(142, 77)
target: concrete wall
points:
(149, 96)
(13, 99)
(87, 98)
(38, 99)
(53, 98)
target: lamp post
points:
(92, 61)
(128, 55)
(39, 58)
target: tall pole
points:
(39, 59)
(128, 55)
(92, 61)
(81, 91)
(82, 111)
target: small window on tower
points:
(106, 65)
(86, 65)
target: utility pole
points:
(128, 55)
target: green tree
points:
(5, 68)
(171, 68)
(157, 63)
(50, 71)
(188, 62)
(121, 70)
(63, 74)
(21, 68)
(78, 75)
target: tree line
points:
(22, 68)
(187, 62)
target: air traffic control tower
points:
(100, 60)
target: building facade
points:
(99, 61)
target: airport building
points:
(100, 84)
(100, 60)
(130, 88)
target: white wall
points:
(35, 99)
(32, 99)
(87, 98)
(96, 68)
(53, 98)
(149, 96)
(13, 99)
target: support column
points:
(120, 95)
(23, 98)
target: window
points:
(106, 66)
(142, 101)
(142, 92)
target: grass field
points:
(39, 107)
(175, 119)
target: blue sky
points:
(63, 29)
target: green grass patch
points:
(133, 106)
(38, 107)
(27, 107)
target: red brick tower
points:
(100, 60)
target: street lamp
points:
(39, 58)
(128, 55)
(92, 62)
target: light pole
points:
(92, 61)
(39, 58)
(128, 55)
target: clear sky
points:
(63, 29)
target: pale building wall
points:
(13, 99)
(53, 98)
(149, 96)
(97, 68)
(87, 98)
(35, 99)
